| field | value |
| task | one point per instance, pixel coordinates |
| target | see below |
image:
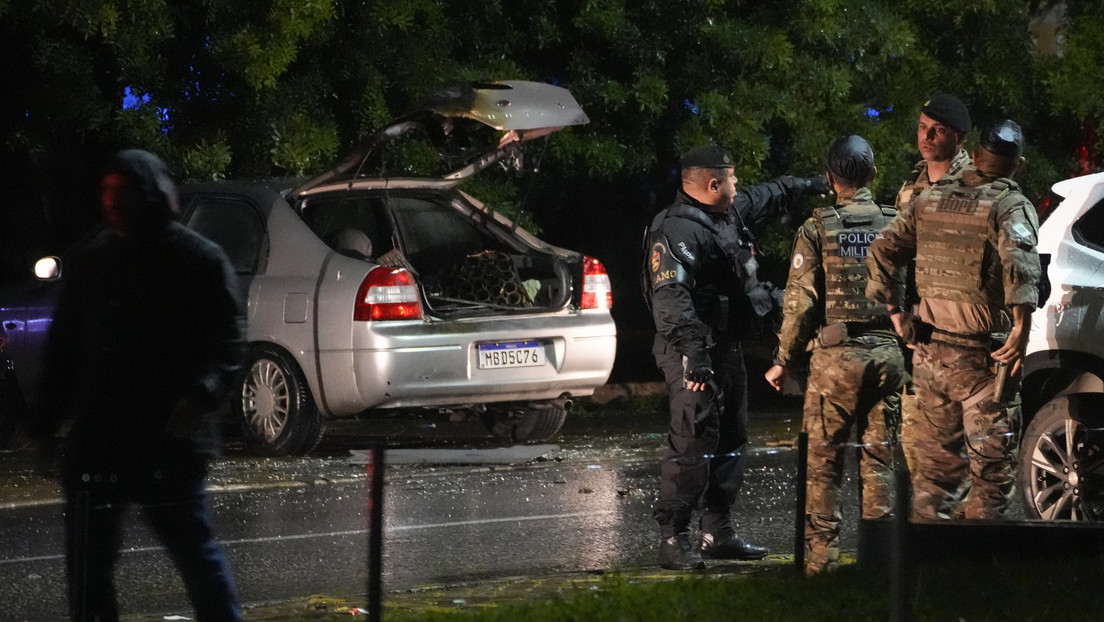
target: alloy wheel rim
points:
(1065, 462)
(266, 400)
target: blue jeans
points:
(171, 495)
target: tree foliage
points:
(281, 87)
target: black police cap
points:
(851, 158)
(948, 110)
(707, 156)
(1003, 138)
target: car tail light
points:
(388, 294)
(597, 293)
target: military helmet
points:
(1003, 138)
(851, 159)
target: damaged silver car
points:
(373, 287)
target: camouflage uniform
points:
(918, 180)
(916, 183)
(857, 367)
(974, 243)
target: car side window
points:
(1089, 229)
(233, 224)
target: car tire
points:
(274, 406)
(1061, 470)
(537, 421)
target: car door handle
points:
(13, 325)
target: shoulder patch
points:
(1022, 230)
(798, 261)
(658, 250)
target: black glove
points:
(819, 185)
(697, 367)
(698, 375)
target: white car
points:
(1061, 470)
(388, 290)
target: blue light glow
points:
(132, 100)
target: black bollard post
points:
(901, 571)
(375, 533)
(799, 514)
(78, 591)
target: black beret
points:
(1003, 138)
(948, 110)
(707, 156)
(851, 158)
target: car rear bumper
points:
(438, 364)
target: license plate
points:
(510, 354)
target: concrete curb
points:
(608, 393)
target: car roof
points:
(264, 192)
(1066, 187)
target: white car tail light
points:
(387, 294)
(597, 293)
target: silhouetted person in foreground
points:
(145, 341)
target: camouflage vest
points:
(917, 181)
(952, 233)
(848, 231)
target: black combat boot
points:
(677, 553)
(724, 543)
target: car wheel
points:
(537, 421)
(1062, 460)
(275, 407)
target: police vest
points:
(952, 232)
(848, 232)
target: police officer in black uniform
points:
(702, 287)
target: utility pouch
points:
(832, 334)
(1000, 383)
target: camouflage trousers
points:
(856, 387)
(960, 441)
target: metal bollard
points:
(901, 571)
(799, 514)
(375, 533)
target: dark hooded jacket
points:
(142, 322)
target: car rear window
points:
(328, 217)
(436, 236)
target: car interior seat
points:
(352, 243)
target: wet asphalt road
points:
(298, 527)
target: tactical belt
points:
(858, 329)
(965, 341)
(838, 332)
